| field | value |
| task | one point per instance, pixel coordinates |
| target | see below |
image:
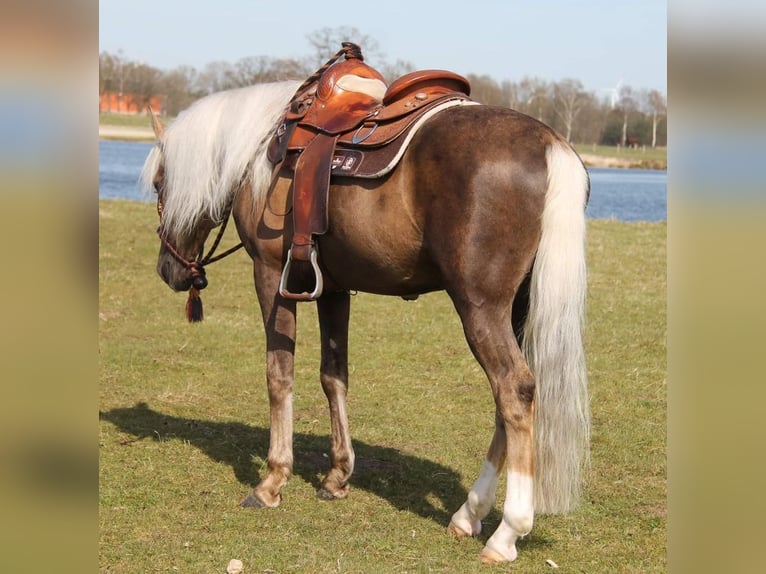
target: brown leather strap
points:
(310, 190)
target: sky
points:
(602, 43)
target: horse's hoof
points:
(252, 501)
(489, 556)
(465, 531)
(324, 494)
(457, 532)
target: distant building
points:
(130, 104)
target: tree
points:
(592, 121)
(658, 107)
(569, 97)
(107, 72)
(114, 74)
(510, 94)
(262, 69)
(533, 96)
(143, 84)
(393, 71)
(486, 90)
(181, 88)
(627, 104)
(217, 76)
(327, 41)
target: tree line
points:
(622, 116)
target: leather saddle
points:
(348, 123)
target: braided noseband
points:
(196, 266)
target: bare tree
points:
(658, 107)
(592, 120)
(569, 97)
(393, 71)
(217, 76)
(107, 72)
(533, 95)
(510, 93)
(181, 88)
(486, 90)
(262, 69)
(327, 41)
(145, 82)
(114, 75)
(626, 104)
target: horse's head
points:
(181, 238)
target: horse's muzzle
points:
(169, 271)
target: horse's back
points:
(467, 198)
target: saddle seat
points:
(347, 123)
(346, 93)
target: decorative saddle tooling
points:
(348, 123)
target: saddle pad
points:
(374, 162)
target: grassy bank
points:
(615, 156)
(184, 424)
(125, 120)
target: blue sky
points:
(599, 42)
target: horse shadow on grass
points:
(407, 482)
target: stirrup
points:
(305, 296)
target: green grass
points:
(184, 424)
(654, 158)
(137, 120)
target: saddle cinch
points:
(345, 122)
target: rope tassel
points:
(194, 306)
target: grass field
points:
(129, 120)
(184, 424)
(647, 154)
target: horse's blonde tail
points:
(553, 336)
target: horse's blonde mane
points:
(209, 148)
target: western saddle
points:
(344, 121)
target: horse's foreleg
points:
(333, 311)
(496, 349)
(279, 321)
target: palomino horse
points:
(486, 203)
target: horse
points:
(486, 204)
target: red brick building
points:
(130, 104)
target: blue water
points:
(628, 194)
(621, 194)
(119, 167)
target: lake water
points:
(621, 194)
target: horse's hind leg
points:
(489, 334)
(279, 321)
(333, 311)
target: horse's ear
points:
(157, 125)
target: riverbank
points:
(126, 133)
(592, 160)
(627, 161)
